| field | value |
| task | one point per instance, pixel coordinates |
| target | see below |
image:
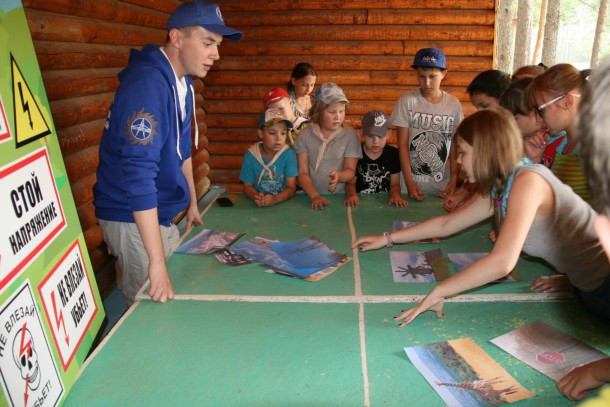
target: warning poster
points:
(50, 308)
(28, 371)
(32, 212)
(69, 302)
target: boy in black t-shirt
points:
(378, 170)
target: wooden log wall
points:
(366, 47)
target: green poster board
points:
(50, 308)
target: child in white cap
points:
(327, 151)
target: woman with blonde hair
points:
(537, 214)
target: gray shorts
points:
(124, 242)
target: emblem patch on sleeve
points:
(141, 127)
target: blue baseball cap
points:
(203, 14)
(429, 58)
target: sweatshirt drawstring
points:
(177, 122)
(195, 119)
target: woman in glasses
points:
(555, 96)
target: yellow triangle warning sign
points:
(29, 121)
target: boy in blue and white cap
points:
(426, 119)
(145, 173)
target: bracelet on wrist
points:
(388, 239)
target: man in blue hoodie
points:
(145, 172)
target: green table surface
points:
(241, 336)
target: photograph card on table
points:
(209, 241)
(547, 349)
(419, 267)
(308, 274)
(464, 375)
(308, 253)
(462, 260)
(257, 249)
(309, 259)
(232, 259)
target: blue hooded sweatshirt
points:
(145, 143)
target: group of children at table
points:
(518, 154)
(142, 185)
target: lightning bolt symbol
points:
(26, 106)
(59, 319)
(25, 349)
(26, 396)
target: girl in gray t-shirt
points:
(327, 151)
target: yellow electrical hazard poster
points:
(30, 124)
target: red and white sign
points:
(69, 303)
(27, 368)
(32, 215)
(550, 358)
(5, 132)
